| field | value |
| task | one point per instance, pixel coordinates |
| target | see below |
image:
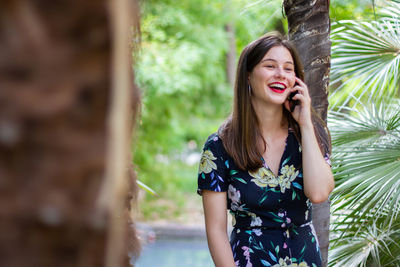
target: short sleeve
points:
(212, 169)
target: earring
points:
(249, 87)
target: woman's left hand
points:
(302, 111)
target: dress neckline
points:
(282, 157)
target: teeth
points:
(277, 85)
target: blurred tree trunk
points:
(231, 52)
(60, 203)
(309, 29)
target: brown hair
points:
(240, 133)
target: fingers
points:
(298, 96)
(302, 96)
(299, 81)
(301, 87)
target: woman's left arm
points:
(317, 175)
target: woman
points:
(267, 163)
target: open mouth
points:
(277, 87)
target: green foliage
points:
(179, 70)
(367, 148)
(351, 9)
(366, 141)
(366, 200)
(366, 58)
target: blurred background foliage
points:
(181, 70)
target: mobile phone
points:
(293, 103)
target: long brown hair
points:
(240, 133)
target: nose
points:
(279, 72)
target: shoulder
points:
(215, 146)
(212, 167)
(213, 142)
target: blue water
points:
(175, 253)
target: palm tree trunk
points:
(56, 80)
(309, 29)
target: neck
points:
(271, 120)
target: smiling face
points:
(272, 76)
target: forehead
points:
(280, 54)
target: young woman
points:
(268, 162)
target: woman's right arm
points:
(214, 204)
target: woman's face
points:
(272, 76)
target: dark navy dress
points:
(271, 216)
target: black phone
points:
(293, 103)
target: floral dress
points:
(271, 216)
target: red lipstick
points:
(277, 87)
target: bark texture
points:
(55, 87)
(309, 29)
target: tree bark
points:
(56, 83)
(309, 29)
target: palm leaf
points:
(366, 52)
(146, 188)
(377, 245)
(366, 141)
(391, 11)
(366, 165)
(368, 125)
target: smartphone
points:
(293, 103)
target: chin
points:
(279, 100)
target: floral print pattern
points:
(264, 177)
(271, 215)
(288, 174)
(286, 262)
(207, 162)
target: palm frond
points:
(366, 158)
(377, 245)
(146, 188)
(368, 52)
(365, 124)
(366, 141)
(391, 11)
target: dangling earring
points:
(249, 87)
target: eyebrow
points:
(270, 59)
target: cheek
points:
(292, 80)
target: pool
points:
(175, 253)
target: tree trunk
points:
(309, 29)
(231, 51)
(231, 54)
(57, 90)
